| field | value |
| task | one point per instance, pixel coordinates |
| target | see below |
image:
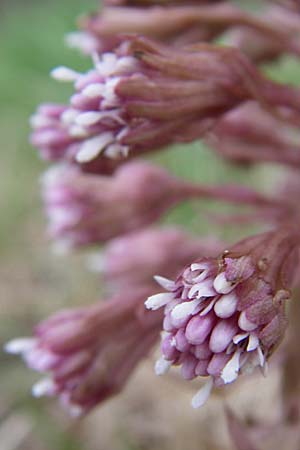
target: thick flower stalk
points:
(248, 134)
(226, 316)
(86, 208)
(88, 354)
(135, 258)
(147, 95)
(188, 23)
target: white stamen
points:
(208, 308)
(231, 369)
(52, 175)
(221, 284)
(203, 289)
(156, 301)
(110, 97)
(69, 115)
(203, 394)
(82, 41)
(184, 309)
(245, 324)
(19, 346)
(164, 282)
(252, 343)
(60, 216)
(226, 306)
(107, 65)
(93, 147)
(114, 151)
(94, 90)
(62, 73)
(40, 121)
(43, 387)
(162, 366)
(78, 132)
(261, 357)
(125, 64)
(240, 337)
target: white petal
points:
(240, 337)
(43, 387)
(158, 300)
(93, 147)
(89, 118)
(164, 282)
(208, 308)
(69, 115)
(226, 306)
(231, 369)
(203, 289)
(162, 366)
(94, 90)
(202, 395)
(184, 309)
(261, 357)
(221, 285)
(19, 346)
(85, 42)
(245, 324)
(62, 73)
(253, 342)
(39, 121)
(114, 151)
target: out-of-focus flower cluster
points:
(158, 76)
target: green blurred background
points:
(34, 281)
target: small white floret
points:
(221, 284)
(162, 366)
(226, 306)
(94, 90)
(185, 309)
(156, 301)
(245, 324)
(93, 147)
(43, 387)
(231, 370)
(62, 73)
(19, 346)
(203, 394)
(164, 282)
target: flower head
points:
(146, 95)
(225, 316)
(85, 208)
(90, 353)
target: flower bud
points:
(229, 312)
(90, 353)
(146, 95)
(85, 208)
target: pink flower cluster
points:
(159, 78)
(224, 317)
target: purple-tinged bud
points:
(137, 257)
(88, 354)
(146, 95)
(85, 208)
(232, 310)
